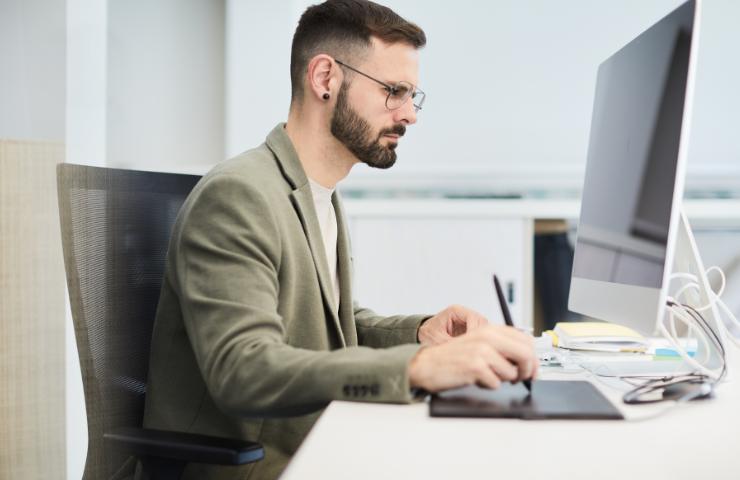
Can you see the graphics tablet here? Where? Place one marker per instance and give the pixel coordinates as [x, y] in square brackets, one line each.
[549, 400]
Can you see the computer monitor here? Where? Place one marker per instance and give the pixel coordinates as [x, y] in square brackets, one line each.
[634, 179]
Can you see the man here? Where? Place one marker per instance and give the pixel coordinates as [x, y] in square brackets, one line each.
[256, 329]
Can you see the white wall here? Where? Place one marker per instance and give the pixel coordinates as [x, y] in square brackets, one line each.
[510, 87]
[86, 107]
[258, 38]
[165, 83]
[32, 66]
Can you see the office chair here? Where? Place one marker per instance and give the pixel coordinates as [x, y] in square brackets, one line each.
[116, 226]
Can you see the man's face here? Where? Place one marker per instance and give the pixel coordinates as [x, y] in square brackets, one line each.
[373, 136]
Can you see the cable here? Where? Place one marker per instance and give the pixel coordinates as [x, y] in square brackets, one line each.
[680, 309]
[676, 311]
[714, 297]
[653, 391]
[672, 403]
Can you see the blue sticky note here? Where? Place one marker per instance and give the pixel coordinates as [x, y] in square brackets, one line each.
[669, 352]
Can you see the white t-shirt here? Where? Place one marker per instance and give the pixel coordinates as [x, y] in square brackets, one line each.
[328, 224]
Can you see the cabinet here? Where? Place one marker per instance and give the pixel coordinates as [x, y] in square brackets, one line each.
[421, 263]
[420, 255]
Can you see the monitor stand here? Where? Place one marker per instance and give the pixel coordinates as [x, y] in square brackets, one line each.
[687, 260]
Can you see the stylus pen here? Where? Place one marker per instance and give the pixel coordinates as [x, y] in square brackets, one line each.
[507, 317]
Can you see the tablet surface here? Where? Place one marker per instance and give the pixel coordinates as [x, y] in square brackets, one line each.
[571, 399]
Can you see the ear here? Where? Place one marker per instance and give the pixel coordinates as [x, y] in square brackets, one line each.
[324, 76]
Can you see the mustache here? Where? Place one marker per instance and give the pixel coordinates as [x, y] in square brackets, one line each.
[399, 130]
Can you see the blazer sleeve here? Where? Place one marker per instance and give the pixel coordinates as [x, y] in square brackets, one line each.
[377, 331]
[227, 256]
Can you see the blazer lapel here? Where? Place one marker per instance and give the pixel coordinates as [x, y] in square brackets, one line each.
[344, 261]
[302, 200]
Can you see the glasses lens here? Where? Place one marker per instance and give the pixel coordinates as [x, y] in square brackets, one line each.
[398, 95]
[418, 99]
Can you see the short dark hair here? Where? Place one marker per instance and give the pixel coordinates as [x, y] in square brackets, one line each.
[345, 27]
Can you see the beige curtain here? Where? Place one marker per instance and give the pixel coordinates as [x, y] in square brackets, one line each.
[32, 313]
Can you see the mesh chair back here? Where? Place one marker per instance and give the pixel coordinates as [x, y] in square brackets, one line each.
[116, 226]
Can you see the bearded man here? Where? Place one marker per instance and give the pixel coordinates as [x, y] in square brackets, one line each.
[256, 329]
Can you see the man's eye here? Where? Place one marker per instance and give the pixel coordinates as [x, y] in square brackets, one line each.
[399, 91]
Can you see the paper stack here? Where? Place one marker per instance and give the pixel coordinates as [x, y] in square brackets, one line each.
[598, 336]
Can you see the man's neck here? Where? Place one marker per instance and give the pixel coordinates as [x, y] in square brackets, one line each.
[323, 158]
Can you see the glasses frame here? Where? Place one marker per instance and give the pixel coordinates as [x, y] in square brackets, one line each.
[415, 91]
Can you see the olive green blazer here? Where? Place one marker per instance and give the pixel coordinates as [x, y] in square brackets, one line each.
[246, 343]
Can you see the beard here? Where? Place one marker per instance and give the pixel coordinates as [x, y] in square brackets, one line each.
[354, 132]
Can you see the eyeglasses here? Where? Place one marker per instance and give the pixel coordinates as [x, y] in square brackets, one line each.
[398, 94]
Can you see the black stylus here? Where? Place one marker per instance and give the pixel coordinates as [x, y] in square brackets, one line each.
[507, 317]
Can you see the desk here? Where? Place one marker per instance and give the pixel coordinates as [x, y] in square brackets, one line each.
[371, 441]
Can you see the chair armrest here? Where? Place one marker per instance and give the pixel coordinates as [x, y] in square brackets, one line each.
[189, 447]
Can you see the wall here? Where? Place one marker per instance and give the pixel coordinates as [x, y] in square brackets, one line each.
[32, 287]
[510, 88]
[32, 65]
[165, 83]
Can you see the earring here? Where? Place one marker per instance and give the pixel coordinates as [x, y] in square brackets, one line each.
[326, 96]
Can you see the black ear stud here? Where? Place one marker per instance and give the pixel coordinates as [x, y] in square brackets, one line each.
[326, 96]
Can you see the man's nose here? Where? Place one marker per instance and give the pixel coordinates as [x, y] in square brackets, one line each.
[406, 114]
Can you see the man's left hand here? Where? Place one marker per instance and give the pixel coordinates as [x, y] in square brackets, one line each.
[449, 323]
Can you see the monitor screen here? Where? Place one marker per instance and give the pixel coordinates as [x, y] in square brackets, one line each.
[633, 163]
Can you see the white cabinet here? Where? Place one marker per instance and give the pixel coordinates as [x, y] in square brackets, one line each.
[420, 255]
[423, 263]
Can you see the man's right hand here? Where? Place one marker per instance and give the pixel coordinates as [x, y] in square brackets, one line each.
[486, 357]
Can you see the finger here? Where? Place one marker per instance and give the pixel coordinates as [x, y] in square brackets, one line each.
[457, 327]
[517, 351]
[488, 379]
[477, 321]
[535, 361]
[467, 318]
[510, 335]
[520, 334]
[470, 324]
[439, 336]
[484, 376]
[503, 368]
[459, 320]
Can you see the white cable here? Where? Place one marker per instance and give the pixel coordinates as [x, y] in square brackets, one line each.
[693, 284]
[714, 298]
[676, 311]
[721, 276]
[682, 351]
[690, 322]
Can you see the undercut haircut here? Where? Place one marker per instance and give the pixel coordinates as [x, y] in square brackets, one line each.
[344, 29]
